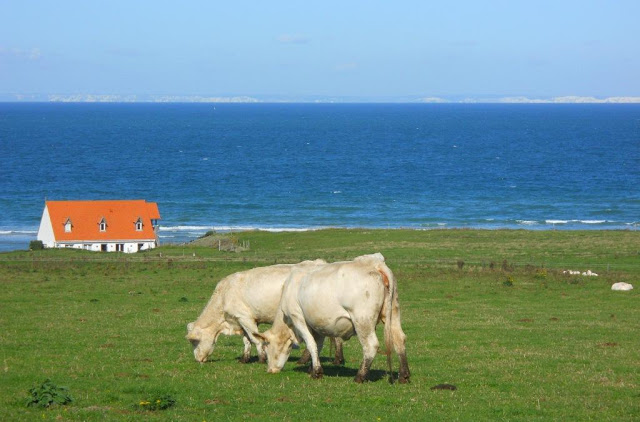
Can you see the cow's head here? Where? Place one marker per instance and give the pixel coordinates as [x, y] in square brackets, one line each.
[278, 347]
[202, 340]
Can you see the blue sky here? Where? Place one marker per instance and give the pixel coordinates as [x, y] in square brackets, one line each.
[363, 49]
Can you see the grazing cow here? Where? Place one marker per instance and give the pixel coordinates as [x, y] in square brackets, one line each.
[239, 303]
[338, 300]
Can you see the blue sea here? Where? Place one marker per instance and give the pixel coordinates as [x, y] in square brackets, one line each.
[306, 166]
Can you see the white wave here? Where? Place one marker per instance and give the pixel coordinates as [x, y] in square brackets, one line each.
[235, 228]
[527, 222]
[184, 228]
[10, 232]
[556, 221]
[592, 221]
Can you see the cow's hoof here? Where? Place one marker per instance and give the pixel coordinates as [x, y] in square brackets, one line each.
[359, 379]
[317, 374]
[244, 360]
[403, 376]
[338, 362]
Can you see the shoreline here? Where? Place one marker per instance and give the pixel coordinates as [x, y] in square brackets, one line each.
[18, 240]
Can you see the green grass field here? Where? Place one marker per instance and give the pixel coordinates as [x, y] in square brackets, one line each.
[488, 311]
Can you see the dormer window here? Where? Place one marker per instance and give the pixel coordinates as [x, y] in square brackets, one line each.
[68, 226]
[103, 225]
[139, 224]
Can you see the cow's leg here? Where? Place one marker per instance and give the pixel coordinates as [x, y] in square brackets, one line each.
[399, 347]
[316, 371]
[246, 353]
[369, 342]
[312, 346]
[339, 357]
[336, 344]
[249, 326]
[305, 358]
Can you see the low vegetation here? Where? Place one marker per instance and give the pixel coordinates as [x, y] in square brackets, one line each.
[489, 314]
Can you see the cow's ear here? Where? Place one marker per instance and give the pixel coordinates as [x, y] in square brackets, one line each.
[193, 334]
[264, 338]
[190, 327]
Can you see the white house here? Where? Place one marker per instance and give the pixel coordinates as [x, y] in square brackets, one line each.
[109, 226]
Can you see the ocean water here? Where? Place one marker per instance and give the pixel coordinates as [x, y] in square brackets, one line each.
[305, 166]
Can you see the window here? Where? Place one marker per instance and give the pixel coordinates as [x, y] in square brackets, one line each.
[68, 226]
[103, 225]
[119, 247]
[139, 224]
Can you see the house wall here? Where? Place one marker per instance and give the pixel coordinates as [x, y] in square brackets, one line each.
[45, 231]
[128, 247]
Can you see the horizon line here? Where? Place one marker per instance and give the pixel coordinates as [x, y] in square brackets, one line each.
[134, 98]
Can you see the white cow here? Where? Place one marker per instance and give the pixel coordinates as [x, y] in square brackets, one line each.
[239, 303]
[338, 300]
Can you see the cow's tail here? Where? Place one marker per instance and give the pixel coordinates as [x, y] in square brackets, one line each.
[390, 293]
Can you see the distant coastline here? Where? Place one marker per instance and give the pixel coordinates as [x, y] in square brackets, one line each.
[244, 99]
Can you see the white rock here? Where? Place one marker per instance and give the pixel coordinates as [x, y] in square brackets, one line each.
[587, 273]
[622, 286]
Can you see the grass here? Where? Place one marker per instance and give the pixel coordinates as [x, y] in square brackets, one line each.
[546, 346]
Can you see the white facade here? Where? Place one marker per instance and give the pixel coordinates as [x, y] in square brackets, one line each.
[102, 246]
[45, 232]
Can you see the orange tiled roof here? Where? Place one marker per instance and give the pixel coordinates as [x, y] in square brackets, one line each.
[85, 217]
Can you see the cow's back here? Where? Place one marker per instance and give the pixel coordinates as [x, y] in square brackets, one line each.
[260, 290]
[334, 294]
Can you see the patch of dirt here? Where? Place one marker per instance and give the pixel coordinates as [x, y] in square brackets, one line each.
[449, 387]
[215, 401]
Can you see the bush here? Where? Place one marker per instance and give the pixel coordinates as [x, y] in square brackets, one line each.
[207, 234]
[48, 394]
[36, 245]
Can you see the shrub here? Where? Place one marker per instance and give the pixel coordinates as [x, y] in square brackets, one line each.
[48, 394]
[36, 245]
[207, 234]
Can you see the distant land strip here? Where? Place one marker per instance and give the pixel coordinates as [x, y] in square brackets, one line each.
[112, 98]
